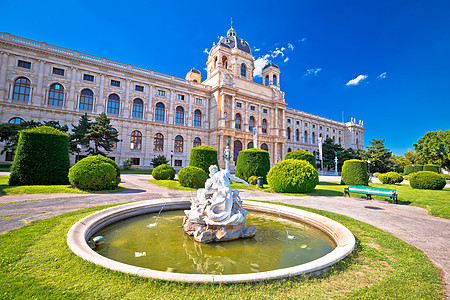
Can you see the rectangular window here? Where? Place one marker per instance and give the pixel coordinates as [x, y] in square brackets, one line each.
[298, 122]
[115, 83]
[198, 100]
[135, 161]
[180, 97]
[320, 127]
[289, 120]
[24, 64]
[178, 163]
[339, 132]
[161, 93]
[238, 104]
[252, 108]
[314, 126]
[139, 88]
[57, 71]
[264, 110]
[306, 124]
[9, 156]
[334, 130]
[87, 77]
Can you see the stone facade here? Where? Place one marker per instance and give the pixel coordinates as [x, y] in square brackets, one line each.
[42, 82]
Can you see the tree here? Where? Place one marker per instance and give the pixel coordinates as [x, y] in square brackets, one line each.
[410, 157]
[102, 134]
[433, 148]
[159, 160]
[328, 154]
[79, 133]
[380, 157]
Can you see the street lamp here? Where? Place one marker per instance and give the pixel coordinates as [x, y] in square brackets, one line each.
[413, 168]
[368, 161]
[171, 158]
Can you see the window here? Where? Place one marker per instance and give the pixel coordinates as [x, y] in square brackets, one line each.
[135, 161]
[288, 131]
[339, 140]
[136, 140]
[113, 104]
[264, 110]
[24, 64]
[320, 127]
[159, 112]
[16, 121]
[161, 93]
[178, 163]
[238, 104]
[198, 100]
[179, 115]
[238, 121]
[328, 129]
[250, 145]
[339, 132]
[252, 108]
[305, 138]
[86, 100]
[274, 80]
[180, 97]
[251, 124]
[56, 95]
[297, 135]
[158, 142]
[197, 118]
[313, 138]
[57, 71]
[289, 150]
[197, 142]
[139, 88]
[88, 77]
[298, 122]
[237, 149]
[314, 126]
[115, 83]
[289, 120]
[21, 90]
[264, 126]
[9, 156]
[225, 62]
[178, 146]
[334, 130]
[306, 124]
[264, 147]
[138, 108]
[243, 70]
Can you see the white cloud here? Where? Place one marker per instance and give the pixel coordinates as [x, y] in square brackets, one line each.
[276, 53]
[357, 80]
[382, 75]
[206, 51]
[313, 72]
[257, 49]
[286, 59]
[282, 48]
[260, 63]
[290, 46]
[303, 40]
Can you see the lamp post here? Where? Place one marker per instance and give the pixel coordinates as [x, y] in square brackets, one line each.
[370, 177]
[171, 158]
[335, 163]
[413, 168]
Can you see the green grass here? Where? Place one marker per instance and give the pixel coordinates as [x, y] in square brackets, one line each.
[6, 189]
[35, 262]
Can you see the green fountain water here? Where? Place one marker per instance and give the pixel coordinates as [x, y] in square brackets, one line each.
[159, 243]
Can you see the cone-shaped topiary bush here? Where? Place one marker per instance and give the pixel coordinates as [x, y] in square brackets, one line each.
[293, 176]
[431, 168]
[390, 178]
[252, 162]
[354, 172]
[42, 157]
[302, 154]
[427, 180]
[202, 157]
[192, 177]
[95, 173]
[163, 172]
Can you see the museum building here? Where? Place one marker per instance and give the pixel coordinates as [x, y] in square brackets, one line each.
[158, 114]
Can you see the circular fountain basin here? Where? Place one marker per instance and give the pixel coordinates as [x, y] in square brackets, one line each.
[334, 234]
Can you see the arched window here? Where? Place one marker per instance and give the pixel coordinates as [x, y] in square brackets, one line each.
[244, 70]
[237, 149]
[334, 139]
[159, 112]
[158, 144]
[313, 138]
[289, 150]
[178, 146]
[179, 115]
[138, 108]
[305, 137]
[215, 62]
[197, 118]
[274, 80]
[56, 95]
[16, 121]
[197, 142]
[113, 104]
[357, 143]
[251, 124]
[264, 147]
[264, 126]
[266, 80]
[136, 140]
[225, 62]
[288, 132]
[238, 120]
[320, 135]
[250, 145]
[327, 137]
[86, 100]
[297, 135]
[339, 140]
[21, 91]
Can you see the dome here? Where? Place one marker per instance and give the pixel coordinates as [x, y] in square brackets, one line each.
[193, 70]
[232, 41]
[271, 65]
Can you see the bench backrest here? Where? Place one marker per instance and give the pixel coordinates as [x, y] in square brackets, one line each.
[357, 188]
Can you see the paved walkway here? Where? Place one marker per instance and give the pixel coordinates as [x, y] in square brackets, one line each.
[411, 224]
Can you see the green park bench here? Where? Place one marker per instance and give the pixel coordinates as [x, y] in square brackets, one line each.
[369, 191]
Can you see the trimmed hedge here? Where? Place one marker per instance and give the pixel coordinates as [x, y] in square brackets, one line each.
[431, 168]
[409, 169]
[163, 172]
[390, 178]
[95, 173]
[302, 154]
[427, 180]
[42, 157]
[192, 177]
[293, 176]
[252, 162]
[253, 180]
[354, 172]
[202, 157]
[376, 174]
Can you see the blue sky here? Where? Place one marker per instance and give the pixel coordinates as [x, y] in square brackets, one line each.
[396, 53]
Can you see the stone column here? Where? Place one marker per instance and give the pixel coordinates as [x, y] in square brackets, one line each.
[4, 67]
[233, 112]
[149, 116]
[189, 115]
[39, 97]
[101, 100]
[170, 110]
[125, 111]
[71, 99]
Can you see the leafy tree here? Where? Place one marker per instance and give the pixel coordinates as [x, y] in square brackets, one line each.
[328, 154]
[433, 148]
[410, 157]
[103, 135]
[79, 133]
[380, 157]
[159, 160]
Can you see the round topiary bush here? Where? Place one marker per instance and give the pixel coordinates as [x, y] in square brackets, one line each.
[409, 169]
[427, 180]
[202, 157]
[253, 180]
[95, 173]
[42, 157]
[192, 177]
[302, 154]
[376, 174]
[293, 176]
[163, 172]
[252, 162]
[431, 168]
[390, 178]
[354, 172]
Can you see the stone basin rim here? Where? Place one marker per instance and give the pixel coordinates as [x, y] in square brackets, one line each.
[82, 230]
